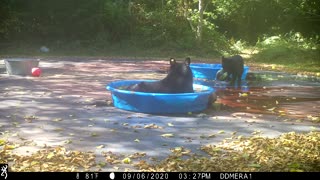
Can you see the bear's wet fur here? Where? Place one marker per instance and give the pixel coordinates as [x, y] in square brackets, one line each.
[178, 80]
[234, 66]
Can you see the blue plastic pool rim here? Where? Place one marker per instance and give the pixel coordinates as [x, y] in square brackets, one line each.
[205, 65]
[209, 70]
[108, 87]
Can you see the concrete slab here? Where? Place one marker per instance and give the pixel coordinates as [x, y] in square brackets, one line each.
[68, 106]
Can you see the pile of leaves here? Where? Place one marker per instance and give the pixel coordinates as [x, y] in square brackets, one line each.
[290, 152]
[50, 159]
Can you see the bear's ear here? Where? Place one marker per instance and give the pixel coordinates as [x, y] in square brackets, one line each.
[172, 61]
[187, 61]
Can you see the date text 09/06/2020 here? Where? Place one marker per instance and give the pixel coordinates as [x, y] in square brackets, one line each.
[183, 175]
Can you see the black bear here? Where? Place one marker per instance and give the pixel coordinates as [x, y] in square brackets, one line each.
[178, 80]
[234, 67]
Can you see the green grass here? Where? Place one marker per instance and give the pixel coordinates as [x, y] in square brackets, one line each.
[290, 52]
[289, 59]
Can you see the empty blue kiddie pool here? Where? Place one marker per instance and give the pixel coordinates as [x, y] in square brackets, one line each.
[158, 103]
[209, 71]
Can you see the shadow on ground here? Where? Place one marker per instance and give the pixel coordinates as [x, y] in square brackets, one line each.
[69, 106]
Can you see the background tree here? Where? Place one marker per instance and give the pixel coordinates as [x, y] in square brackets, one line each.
[182, 25]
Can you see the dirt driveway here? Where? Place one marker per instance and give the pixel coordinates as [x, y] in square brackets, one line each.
[70, 106]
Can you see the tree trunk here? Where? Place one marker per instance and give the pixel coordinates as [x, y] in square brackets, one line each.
[200, 22]
[129, 7]
[185, 7]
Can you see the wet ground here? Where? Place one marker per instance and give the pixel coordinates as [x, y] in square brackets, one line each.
[70, 106]
[267, 92]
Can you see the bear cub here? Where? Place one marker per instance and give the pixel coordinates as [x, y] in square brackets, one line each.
[234, 67]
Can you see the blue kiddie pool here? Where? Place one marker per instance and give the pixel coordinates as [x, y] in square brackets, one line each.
[209, 71]
[158, 103]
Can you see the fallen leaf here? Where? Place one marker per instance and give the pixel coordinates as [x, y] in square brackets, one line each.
[152, 126]
[254, 165]
[50, 155]
[202, 136]
[100, 147]
[58, 129]
[2, 142]
[57, 119]
[170, 124]
[243, 94]
[94, 134]
[167, 135]
[137, 155]
[102, 164]
[126, 160]
[34, 163]
[271, 109]
[256, 132]
[315, 119]
[68, 141]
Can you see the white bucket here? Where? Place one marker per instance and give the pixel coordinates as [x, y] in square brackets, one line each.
[20, 66]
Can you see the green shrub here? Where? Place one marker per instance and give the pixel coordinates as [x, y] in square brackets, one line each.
[291, 50]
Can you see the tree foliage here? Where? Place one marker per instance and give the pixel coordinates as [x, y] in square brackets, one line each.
[179, 24]
[251, 19]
